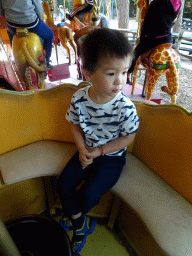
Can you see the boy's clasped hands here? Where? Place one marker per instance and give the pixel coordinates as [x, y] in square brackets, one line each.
[86, 156]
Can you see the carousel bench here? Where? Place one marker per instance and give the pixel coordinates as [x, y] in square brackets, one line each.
[156, 181]
[35, 138]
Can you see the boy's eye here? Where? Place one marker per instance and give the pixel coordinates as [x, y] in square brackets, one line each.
[125, 72]
[111, 74]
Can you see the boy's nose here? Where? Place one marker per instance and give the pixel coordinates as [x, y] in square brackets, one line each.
[118, 80]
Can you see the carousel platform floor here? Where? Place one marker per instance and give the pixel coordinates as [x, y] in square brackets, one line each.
[104, 242]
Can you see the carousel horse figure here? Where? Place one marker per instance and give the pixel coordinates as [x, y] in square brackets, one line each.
[78, 38]
[28, 52]
[28, 36]
[155, 51]
[25, 57]
[90, 20]
[84, 14]
[61, 34]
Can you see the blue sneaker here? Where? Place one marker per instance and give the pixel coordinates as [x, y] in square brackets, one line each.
[87, 229]
[66, 224]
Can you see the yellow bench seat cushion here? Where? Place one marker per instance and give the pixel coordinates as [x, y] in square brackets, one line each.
[167, 215]
[42, 158]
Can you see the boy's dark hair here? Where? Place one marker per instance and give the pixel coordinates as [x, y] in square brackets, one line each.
[101, 42]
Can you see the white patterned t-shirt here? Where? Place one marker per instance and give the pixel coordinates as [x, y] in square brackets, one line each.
[102, 123]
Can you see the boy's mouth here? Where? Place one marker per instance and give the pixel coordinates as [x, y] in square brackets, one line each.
[116, 91]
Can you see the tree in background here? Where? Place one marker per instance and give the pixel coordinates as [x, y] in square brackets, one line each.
[187, 12]
[177, 25]
[127, 9]
[123, 19]
[132, 8]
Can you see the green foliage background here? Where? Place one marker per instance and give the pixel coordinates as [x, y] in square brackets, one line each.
[187, 13]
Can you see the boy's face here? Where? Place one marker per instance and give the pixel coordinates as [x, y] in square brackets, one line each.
[109, 78]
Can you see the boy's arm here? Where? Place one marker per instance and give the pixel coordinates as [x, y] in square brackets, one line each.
[113, 145]
[118, 143]
[80, 143]
[78, 137]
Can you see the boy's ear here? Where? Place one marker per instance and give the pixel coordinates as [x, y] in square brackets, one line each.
[87, 75]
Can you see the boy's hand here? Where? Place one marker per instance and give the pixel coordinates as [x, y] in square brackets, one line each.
[94, 152]
[84, 158]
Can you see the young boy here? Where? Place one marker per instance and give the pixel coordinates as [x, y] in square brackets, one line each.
[104, 122]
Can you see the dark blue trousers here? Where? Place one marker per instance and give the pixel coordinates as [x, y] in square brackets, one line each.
[99, 177]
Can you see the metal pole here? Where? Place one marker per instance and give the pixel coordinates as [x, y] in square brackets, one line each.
[95, 11]
[144, 86]
[51, 5]
[64, 10]
[16, 76]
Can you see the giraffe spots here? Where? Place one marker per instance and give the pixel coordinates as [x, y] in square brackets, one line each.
[163, 59]
[157, 57]
[169, 58]
[152, 80]
[164, 88]
[175, 90]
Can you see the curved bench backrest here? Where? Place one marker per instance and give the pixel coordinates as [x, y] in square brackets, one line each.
[27, 117]
[53, 105]
[164, 144]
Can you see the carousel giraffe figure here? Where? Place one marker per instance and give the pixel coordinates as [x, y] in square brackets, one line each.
[61, 33]
[161, 59]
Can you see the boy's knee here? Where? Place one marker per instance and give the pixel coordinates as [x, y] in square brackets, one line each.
[90, 199]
